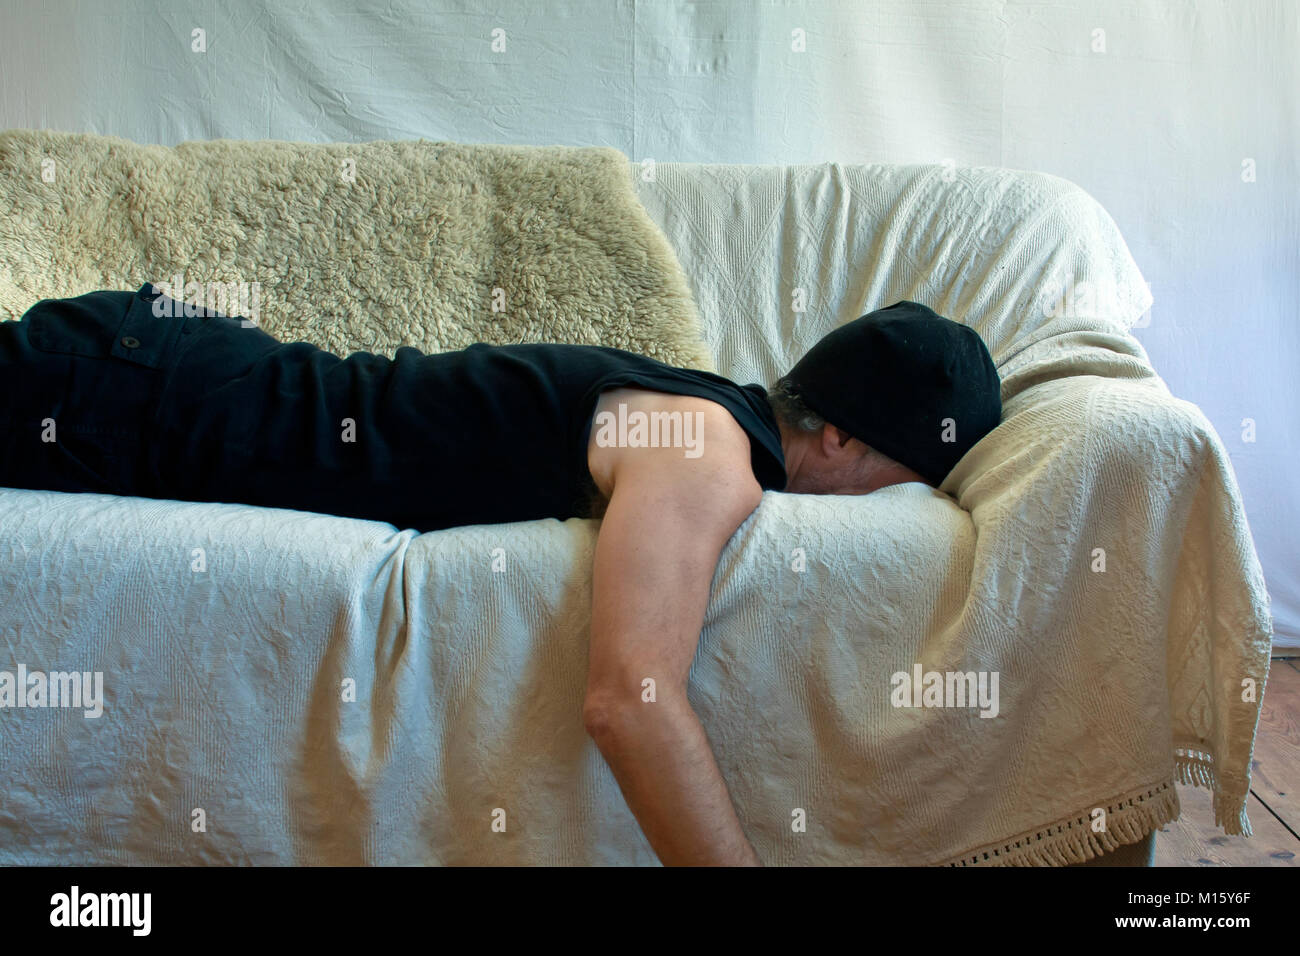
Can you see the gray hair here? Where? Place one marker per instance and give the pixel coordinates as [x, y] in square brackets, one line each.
[789, 408]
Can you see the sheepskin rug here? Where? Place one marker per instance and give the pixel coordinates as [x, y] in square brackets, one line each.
[352, 246]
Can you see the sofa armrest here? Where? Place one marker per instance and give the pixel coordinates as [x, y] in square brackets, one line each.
[1122, 501]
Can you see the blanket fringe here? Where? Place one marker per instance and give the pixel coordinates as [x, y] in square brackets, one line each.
[1129, 818]
[1195, 768]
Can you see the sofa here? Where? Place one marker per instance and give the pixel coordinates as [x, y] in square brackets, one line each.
[283, 687]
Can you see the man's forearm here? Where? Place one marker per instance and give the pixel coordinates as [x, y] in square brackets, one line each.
[663, 763]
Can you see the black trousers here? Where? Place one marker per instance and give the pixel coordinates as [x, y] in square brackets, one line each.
[85, 383]
[121, 393]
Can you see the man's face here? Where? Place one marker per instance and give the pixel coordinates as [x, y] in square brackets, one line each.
[833, 463]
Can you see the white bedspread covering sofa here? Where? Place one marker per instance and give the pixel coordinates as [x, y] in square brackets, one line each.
[1092, 552]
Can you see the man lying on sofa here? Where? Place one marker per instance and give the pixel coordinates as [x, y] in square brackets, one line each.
[106, 392]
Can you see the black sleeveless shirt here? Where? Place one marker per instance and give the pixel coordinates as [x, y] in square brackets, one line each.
[483, 435]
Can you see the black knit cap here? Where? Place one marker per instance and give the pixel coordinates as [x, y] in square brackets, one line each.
[891, 377]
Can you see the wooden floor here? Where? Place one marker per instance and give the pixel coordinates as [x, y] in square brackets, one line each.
[1274, 806]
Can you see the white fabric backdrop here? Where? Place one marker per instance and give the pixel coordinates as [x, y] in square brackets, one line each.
[1180, 116]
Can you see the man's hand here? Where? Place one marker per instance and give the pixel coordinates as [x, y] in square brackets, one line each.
[668, 518]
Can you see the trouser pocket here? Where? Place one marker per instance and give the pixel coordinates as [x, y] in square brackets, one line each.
[135, 327]
[79, 384]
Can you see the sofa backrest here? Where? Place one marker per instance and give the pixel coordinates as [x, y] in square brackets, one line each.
[780, 255]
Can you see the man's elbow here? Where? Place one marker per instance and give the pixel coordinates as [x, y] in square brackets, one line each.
[595, 718]
[603, 717]
[608, 718]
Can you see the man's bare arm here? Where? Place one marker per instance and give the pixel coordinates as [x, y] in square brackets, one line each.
[666, 524]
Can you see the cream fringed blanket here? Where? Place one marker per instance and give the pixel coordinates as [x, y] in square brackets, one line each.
[352, 246]
[1092, 552]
